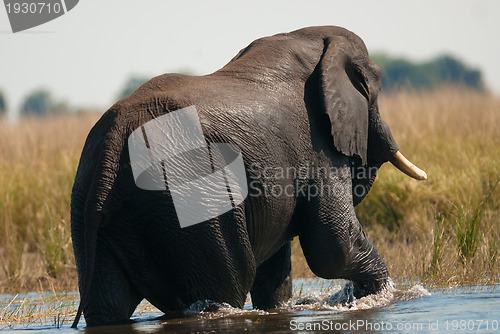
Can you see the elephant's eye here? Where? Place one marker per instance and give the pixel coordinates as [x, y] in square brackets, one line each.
[357, 79]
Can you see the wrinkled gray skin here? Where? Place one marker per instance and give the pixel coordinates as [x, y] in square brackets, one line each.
[302, 99]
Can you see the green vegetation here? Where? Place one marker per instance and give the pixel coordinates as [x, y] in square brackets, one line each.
[3, 104]
[443, 70]
[135, 81]
[41, 103]
[131, 85]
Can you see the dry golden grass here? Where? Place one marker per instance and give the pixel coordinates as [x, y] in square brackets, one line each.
[38, 160]
[48, 309]
[445, 229]
[43, 309]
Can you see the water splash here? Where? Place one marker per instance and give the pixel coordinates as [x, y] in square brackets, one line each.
[416, 291]
[208, 309]
[314, 295]
[343, 299]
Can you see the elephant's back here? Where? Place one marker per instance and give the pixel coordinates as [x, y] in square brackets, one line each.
[270, 130]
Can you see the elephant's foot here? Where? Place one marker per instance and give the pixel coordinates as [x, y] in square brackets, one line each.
[352, 291]
[204, 306]
[344, 297]
[362, 289]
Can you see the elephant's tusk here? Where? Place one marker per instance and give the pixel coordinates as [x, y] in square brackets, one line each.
[404, 165]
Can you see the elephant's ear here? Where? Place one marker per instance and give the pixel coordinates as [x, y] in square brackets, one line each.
[346, 94]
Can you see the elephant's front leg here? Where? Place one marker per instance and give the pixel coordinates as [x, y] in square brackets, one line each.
[334, 243]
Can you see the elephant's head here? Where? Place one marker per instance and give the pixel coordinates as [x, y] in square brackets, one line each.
[349, 84]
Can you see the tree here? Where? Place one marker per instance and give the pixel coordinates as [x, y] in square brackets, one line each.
[452, 70]
[137, 81]
[442, 70]
[401, 72]
[38, 103]
[3, 104]
[131, 85]
[41, 103]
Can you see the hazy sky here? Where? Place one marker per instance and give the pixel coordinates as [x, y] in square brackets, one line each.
[86, 56]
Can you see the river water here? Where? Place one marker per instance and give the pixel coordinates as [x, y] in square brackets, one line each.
[317, 306]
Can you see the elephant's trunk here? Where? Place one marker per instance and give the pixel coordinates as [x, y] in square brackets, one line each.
[404, 165]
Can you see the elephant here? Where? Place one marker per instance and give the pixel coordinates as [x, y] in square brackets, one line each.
[301, 110]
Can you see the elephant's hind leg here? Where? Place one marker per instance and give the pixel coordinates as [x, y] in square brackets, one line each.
[273, 280]
[112, 298]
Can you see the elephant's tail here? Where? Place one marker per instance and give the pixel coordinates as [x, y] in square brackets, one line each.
[91, 229]
[99, 200]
